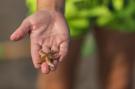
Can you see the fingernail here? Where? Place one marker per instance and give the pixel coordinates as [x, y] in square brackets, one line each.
[14, 37]
[52, 68]
[44, 71]
[37, 66]
[55, 63]
[60, 60]
[44, 68]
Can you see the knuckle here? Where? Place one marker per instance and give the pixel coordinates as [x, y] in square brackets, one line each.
[35, 26]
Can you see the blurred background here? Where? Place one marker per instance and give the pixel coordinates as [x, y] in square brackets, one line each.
[107, 28]
[16, 69]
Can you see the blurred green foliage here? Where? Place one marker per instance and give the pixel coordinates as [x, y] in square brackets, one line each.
[83, 14]
[116, 14]
[88, 47]
[31, 5]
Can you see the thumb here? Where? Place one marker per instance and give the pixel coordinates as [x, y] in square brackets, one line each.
[21, 31]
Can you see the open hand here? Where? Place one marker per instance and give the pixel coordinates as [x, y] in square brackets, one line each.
[48, 32]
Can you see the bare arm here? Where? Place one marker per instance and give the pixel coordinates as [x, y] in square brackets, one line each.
[53, 5]
[48, 32]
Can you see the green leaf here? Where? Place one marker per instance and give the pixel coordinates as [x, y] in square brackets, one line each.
[99, 11]
[79, 23]
[118, 4]
[31, 4]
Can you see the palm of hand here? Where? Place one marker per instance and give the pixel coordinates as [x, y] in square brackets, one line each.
[47, 33]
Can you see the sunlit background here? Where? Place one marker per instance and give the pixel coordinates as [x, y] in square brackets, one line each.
[115, 26]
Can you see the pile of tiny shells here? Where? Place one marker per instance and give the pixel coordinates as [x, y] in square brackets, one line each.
[47, 57]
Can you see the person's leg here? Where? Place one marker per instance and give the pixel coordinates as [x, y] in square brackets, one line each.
[116, 54]
[62, 78]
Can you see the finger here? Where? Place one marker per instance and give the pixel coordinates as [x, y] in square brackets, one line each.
[56, 56]
[21, 31]
[55, 62]
[35, 48]
[45, 68]
[55, 48]
[55, 51]
[63, 50]
[46, 49]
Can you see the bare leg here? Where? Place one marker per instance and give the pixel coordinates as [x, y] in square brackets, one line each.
[116, 52]
[62, 78]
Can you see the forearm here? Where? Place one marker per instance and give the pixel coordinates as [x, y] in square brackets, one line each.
[52, 5]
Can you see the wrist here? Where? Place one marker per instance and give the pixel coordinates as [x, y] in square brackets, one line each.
[51, 13]
[46, 4]
[51, 5]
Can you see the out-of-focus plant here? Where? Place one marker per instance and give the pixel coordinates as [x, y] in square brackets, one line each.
[74, 12]
[31, 5]
[116, 14]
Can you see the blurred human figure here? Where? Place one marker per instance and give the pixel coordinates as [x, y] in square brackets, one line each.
[48, 32]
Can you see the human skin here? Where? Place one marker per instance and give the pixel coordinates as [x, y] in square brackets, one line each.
[64, 76]
[48, 32]
[40, 30]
